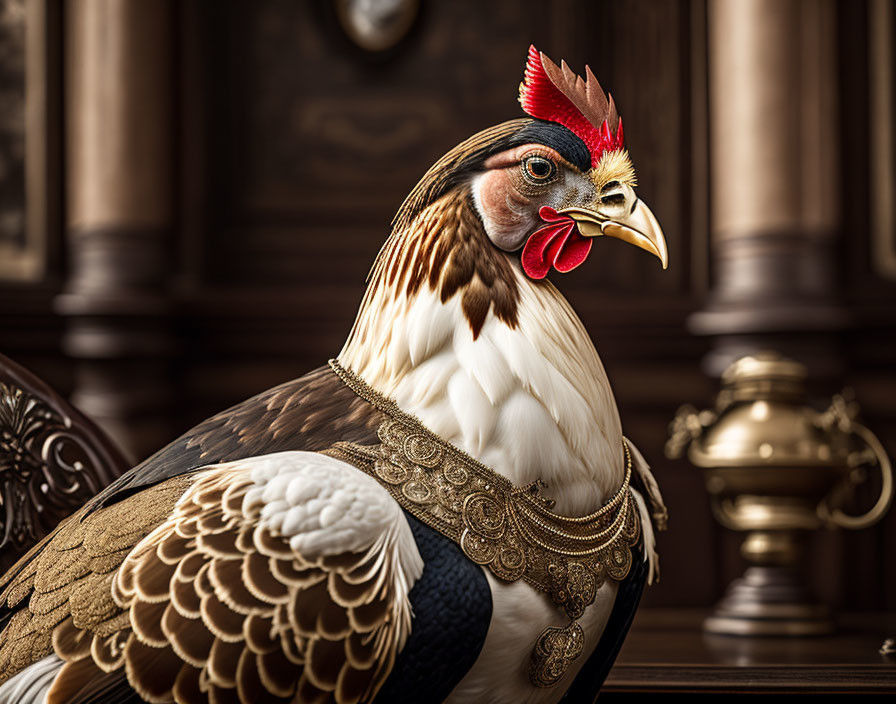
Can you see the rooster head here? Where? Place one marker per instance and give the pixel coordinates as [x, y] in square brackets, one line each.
[536, 191]
[573, 181]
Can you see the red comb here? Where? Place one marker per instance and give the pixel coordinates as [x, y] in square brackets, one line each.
[556, 93]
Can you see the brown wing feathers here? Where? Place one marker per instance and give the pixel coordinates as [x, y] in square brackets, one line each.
[70, 579]
[309, 413]
[209, 607]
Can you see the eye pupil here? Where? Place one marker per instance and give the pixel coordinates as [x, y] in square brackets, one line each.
[539, 168]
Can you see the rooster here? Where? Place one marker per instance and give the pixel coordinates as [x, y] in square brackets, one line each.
[446, 512]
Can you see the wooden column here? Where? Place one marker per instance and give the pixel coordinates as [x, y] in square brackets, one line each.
[774, 182]
[119, 214]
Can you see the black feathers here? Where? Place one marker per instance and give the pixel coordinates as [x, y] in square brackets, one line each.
[555, 136]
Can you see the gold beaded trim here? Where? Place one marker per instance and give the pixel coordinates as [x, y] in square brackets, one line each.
[511, 530]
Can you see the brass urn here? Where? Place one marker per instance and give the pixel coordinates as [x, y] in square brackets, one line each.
[776, 469]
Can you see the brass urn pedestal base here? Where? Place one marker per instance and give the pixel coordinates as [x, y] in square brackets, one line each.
[769, 601]
[771, 598]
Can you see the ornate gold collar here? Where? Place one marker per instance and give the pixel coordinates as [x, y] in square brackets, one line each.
[509, 529]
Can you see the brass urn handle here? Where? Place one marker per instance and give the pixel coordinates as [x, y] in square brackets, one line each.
[842, 414]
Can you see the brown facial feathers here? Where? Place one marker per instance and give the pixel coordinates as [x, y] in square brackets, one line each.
[446, 248]
[450, 171]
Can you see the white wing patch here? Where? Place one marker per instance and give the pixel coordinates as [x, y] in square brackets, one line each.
[324, 506]
[32, 684]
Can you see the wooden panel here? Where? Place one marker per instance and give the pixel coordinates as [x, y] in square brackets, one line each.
[313, 149]
[30, 98]
[316, 147]
[20, 255]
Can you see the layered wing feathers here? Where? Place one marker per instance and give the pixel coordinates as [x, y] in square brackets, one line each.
[276, 578]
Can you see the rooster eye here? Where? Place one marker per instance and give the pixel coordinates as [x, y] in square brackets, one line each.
[537, 169]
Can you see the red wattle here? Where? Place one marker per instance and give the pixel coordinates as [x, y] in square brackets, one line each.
[574, 252]
[557, 244]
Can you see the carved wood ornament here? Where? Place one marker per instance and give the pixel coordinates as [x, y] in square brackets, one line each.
[52, 459]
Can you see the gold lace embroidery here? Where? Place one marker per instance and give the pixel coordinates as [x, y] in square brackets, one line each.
[511, 530]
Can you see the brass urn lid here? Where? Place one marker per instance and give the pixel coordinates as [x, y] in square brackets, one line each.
[763, 420]
[766, 375]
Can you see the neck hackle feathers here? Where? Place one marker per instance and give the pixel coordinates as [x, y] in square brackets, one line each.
[556, 93]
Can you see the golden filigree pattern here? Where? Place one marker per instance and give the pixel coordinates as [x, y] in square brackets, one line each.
[555, 649]
[511, 530]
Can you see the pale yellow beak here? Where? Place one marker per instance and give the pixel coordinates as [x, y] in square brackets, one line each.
[621, 214]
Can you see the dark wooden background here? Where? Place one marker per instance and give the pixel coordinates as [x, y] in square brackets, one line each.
[292, 150]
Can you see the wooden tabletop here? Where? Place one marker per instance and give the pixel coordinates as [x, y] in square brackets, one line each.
[667, 652]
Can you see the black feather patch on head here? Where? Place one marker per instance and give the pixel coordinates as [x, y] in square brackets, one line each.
[555, 136]
[469, 156]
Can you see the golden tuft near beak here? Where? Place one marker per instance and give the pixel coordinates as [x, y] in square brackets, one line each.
[621, 214]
